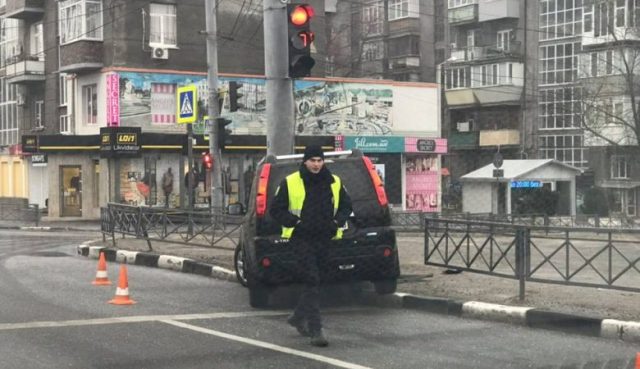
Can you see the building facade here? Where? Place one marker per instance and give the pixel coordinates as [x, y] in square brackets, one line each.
[484, 85]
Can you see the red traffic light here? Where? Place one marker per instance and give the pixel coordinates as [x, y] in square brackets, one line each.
[207, 160]
[300, 15]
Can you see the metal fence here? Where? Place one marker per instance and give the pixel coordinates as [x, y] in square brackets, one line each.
[579, 256]
[213, 229]
[18, 213]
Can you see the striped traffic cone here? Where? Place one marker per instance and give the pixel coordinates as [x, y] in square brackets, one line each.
[122, 292]
[101, 275]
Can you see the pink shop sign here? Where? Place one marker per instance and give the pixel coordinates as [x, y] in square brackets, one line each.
[425, 145]
[113, 100]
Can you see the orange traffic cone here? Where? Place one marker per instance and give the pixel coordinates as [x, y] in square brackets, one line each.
[638, 360]
[101, 275]
[122, 292]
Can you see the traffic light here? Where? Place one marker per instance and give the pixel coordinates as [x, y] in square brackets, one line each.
[300, 39]
[234, 96]
[207, 160]
[223, 132]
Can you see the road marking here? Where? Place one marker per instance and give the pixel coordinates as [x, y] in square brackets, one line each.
[152, 318]
[135, 319]
[266, 345]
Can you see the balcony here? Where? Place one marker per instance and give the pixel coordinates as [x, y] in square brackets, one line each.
[24, 9]
[622, 35]
[24, 70]
[500, 137]
[463, 14]
[498, 9]
[81, 56]
[463, 140]
[466, 54]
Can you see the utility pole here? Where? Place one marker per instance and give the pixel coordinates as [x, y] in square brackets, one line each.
[217, 200]
[280, 110]
[385, 40]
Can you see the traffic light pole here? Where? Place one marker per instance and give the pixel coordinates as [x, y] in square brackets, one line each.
[217, 199]
[280, 118]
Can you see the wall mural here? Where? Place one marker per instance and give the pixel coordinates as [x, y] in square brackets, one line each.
[322, 107]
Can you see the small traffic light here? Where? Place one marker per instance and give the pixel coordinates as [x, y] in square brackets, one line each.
[223, 132]
[300, 39]
[207, 160]
[234, 96]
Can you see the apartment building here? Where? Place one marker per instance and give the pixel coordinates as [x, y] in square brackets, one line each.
[484, 80]
[609, 66]
[383, 39]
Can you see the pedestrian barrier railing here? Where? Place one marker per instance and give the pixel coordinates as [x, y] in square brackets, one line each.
[204, 228]
[579, 256]
[20, 214]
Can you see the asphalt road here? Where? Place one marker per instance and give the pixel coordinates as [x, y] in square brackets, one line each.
[52, 317]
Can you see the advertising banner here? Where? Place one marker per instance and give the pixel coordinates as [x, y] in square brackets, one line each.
[422, 182]
[113, 100]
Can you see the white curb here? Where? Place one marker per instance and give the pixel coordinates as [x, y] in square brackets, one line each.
[171, 262]
[94, 251]
[495, 312]
[124, 256]
[620, 329]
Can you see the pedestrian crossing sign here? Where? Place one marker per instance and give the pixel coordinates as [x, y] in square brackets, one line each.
[187, 103]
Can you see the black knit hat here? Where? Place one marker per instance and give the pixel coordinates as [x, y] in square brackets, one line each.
[312, 151]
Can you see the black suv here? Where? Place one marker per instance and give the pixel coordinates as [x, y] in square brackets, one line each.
[367, 251]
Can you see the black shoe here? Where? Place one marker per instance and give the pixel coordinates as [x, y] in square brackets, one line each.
[317, 339]
[300, 324]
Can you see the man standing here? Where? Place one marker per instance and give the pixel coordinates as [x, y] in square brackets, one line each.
[312, 206]
[167, 186]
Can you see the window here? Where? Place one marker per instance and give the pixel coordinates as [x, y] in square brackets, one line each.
[457, 3]
[3, 2]
[565, 148]
[80, 20]
[163, 31]
[458, 78]
[372, 18]
[372, 51]
[620, 12]
[90, 108]
[588, 18]
[9, 40]
[64, 124]
[560, 19]
[37, 41]
[399, 9]
[37, 113]
[594, 64]
[609, 62]
[63, 98]
[8, 114]
[631, 202]
[504, 38]
[619, 167]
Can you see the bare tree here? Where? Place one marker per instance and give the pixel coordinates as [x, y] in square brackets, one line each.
[610, 90]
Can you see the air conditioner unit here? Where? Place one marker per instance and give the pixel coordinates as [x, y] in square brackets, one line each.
[464, 126]
[160, 53]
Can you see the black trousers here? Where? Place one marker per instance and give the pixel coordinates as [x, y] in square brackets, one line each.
[310, 254]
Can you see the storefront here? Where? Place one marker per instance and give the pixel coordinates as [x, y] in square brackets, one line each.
[125, 165]
[408, 166]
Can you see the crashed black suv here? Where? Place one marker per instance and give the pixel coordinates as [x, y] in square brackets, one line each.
[367, 251]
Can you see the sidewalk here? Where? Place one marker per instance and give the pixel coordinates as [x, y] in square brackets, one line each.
[68, 224]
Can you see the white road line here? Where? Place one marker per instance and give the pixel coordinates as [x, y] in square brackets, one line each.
[266, 345]
[135, 319]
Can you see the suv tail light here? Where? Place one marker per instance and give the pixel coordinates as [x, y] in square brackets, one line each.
[261, 194]
[377, 182]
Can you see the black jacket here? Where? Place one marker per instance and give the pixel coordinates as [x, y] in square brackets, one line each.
[316, 220]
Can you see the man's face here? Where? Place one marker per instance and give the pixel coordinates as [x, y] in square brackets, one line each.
[314, 165]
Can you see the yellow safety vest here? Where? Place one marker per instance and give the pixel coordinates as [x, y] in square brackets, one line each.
[295, 187]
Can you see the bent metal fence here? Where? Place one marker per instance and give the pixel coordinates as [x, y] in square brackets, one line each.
[579, 256]
[196, 228]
